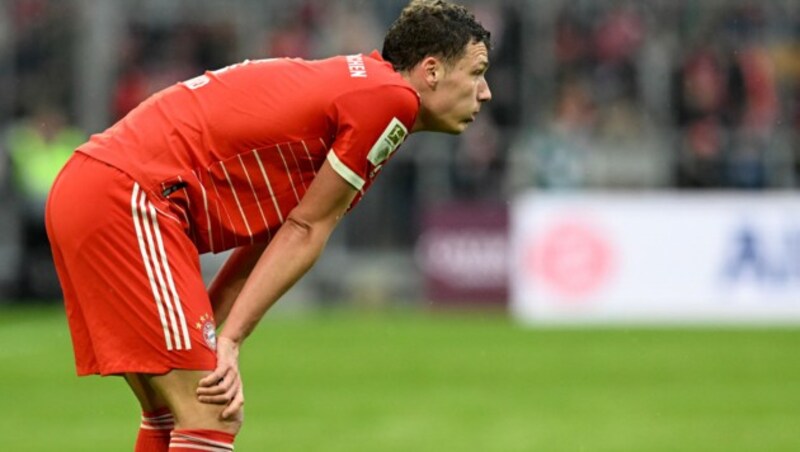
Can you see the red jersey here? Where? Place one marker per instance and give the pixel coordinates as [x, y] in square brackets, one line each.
[234, 150]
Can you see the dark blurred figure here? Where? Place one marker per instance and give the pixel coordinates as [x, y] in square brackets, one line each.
[701, 89]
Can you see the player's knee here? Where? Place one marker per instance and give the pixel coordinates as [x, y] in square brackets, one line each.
[234, 425]
[208, 417]
[231, 424]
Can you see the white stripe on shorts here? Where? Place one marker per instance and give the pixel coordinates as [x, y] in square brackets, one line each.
[151, 245]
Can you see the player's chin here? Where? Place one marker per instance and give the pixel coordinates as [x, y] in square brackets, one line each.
[460, 127]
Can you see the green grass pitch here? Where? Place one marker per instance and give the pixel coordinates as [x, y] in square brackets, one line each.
[415, 381]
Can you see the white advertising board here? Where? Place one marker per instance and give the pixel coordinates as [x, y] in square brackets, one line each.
[656, 258]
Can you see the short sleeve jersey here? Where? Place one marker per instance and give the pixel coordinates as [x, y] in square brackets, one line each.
[233, 151]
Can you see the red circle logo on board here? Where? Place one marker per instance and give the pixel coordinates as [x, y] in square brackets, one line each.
[573, 259]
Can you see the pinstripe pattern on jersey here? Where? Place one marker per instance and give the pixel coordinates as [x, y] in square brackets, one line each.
[255, 196]
[297, 165]
[247, 197]
[269, 186]
[288, 174]
[308, 156]
[236, 199]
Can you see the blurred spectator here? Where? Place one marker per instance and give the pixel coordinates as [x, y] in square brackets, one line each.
[617, 38]
[700, 101]
[38, 146]
[555, 155]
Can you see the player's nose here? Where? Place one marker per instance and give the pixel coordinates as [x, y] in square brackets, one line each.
[484, 93]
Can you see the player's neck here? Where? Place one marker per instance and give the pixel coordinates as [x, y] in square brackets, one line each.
[420, 87]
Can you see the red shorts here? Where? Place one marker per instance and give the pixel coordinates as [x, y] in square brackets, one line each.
[133, 290]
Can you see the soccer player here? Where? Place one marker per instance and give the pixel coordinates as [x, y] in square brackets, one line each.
[263, 157]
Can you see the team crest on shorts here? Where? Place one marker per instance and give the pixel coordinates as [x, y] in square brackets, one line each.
[209, 330]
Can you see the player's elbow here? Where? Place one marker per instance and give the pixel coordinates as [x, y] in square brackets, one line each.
[311, 226]
[299, 225]
[308, 238]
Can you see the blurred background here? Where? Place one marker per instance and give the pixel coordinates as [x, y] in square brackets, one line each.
[617, 96]
[636, 175]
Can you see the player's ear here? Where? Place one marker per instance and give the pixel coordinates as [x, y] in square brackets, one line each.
[432, 70]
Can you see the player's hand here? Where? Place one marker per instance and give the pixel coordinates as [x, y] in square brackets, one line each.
[224, 385]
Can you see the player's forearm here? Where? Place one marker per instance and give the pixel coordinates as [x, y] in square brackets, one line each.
[290, 254]
[230, 279]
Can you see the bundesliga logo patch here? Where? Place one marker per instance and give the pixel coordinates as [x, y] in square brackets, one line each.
[206, 325]
[391, 139]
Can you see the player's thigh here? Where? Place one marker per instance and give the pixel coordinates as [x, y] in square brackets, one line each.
[179, 389]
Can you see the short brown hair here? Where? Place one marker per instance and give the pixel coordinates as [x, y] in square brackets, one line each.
[431, 28]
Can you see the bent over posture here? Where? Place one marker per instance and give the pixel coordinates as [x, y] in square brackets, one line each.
[263, 157]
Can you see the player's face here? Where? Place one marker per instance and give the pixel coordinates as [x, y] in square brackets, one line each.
[458, 95]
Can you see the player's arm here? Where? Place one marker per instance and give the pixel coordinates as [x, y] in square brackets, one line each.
[231, 277]
[292, 251]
